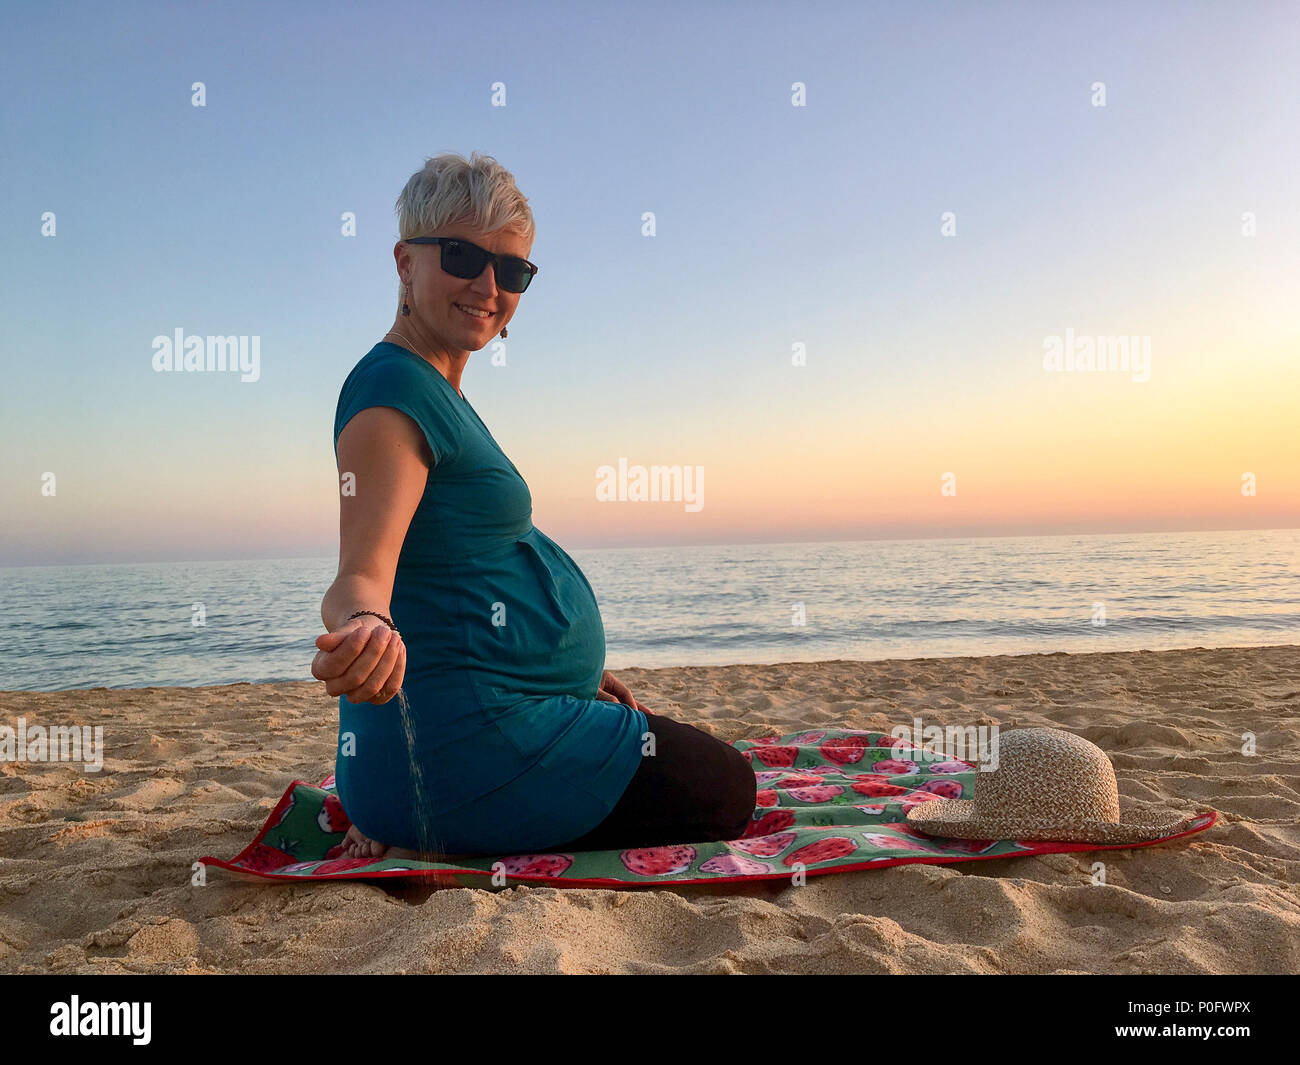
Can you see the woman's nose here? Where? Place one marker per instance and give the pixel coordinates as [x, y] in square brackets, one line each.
[488, 277]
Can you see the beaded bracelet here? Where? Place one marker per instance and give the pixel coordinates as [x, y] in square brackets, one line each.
[382, 617]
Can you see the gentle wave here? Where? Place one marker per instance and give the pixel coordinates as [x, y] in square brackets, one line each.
[134, 625]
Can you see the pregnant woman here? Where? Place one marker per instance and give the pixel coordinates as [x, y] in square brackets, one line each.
[515, 738]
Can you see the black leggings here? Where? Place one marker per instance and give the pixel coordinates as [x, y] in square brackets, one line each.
[694, 789]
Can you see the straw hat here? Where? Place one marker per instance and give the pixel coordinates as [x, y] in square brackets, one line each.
[1048, 785]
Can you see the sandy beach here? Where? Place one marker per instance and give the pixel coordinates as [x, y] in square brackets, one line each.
[95, 868]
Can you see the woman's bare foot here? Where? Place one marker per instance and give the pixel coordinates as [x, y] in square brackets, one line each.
[358, 845]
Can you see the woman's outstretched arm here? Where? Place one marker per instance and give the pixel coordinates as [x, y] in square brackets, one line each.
[389, 460]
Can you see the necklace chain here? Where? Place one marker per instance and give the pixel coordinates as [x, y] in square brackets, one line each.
[399, 336]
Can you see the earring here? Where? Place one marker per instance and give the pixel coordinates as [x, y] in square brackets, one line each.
[503, 334]
[406, 311]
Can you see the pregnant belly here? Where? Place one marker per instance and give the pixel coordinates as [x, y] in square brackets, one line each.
[537, 627]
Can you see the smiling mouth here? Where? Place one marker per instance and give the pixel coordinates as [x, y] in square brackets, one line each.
[477, 313]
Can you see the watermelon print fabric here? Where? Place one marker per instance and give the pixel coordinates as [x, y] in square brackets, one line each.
[829, 801]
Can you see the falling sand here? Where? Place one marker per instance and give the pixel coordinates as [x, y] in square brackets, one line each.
[429, 842]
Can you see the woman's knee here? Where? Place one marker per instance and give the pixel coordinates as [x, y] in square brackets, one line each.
[740, 793]
[713, 784]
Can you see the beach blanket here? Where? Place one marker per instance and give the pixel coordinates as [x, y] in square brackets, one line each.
[829, 801]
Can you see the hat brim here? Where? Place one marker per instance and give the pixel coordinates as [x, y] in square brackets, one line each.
[1138, 823]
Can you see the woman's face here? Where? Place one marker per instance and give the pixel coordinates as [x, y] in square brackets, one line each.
[434, 295]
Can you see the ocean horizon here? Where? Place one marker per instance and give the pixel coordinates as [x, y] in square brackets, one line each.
[189, 624]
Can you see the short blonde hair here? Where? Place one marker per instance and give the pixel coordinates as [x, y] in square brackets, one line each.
[450, 189]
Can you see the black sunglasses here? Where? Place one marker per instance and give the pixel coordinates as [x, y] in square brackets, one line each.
[462, 259]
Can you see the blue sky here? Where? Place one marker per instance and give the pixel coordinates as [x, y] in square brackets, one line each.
[774, 223]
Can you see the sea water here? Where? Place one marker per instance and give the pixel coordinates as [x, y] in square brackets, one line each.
[173, 623]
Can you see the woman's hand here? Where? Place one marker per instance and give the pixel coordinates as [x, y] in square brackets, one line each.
[363, 659]
[613, 690]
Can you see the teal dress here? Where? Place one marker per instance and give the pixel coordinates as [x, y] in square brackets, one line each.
[509, 749]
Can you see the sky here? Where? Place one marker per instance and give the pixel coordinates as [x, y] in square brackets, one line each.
[947, 192]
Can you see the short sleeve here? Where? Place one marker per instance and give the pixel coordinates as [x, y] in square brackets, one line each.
[400, 383]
